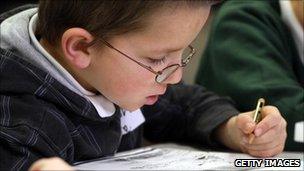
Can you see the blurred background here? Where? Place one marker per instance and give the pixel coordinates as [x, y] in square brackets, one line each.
[199, 44]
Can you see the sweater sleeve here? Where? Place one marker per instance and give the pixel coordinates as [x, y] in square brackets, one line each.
[19, 147]
[23, 138]
[251, 54]
[187, 113]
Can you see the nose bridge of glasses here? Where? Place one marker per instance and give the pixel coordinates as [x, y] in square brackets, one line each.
[170, 70]
[171, 75]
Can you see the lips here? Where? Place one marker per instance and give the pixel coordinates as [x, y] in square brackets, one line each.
[150, 100]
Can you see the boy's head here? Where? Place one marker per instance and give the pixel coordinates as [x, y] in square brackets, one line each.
[131, 40]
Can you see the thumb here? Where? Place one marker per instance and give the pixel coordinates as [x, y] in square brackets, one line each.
[245, 122]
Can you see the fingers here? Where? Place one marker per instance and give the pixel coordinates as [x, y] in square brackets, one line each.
[264, 142]
[268, 144]
[272, 134]
[267, 152]
[269, 134]
[53, 163]
[245, 123]
[271, 118]
[37, 165]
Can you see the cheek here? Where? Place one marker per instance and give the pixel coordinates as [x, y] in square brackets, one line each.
[124, 83]
[130, 91]
[132, 83]
[121, 80]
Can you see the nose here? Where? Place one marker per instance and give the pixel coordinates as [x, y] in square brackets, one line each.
[175, 77]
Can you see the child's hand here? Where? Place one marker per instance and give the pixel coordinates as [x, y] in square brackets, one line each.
[54, 163]
[270, 133]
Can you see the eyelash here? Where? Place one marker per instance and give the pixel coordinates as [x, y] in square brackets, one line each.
[157, 61]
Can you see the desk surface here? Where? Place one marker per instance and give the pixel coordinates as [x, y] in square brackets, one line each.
[181, 157]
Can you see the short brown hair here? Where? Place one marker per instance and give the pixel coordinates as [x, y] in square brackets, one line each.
[102, 18]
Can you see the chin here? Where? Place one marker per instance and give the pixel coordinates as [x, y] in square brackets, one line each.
[131, 108]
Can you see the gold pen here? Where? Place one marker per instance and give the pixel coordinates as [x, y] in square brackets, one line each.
[257, 117]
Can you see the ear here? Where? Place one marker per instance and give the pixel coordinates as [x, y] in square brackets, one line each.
[74, 44]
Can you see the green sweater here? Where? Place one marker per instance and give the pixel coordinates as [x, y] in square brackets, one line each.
[250, 54]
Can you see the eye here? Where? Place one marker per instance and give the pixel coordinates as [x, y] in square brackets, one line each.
[158, 61]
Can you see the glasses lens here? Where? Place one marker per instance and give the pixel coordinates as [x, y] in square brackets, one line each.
[186, 56]
[166, 73]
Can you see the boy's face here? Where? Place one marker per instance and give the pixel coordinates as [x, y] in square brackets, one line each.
[161, 44]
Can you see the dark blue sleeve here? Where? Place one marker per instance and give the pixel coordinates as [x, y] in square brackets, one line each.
[187, 113]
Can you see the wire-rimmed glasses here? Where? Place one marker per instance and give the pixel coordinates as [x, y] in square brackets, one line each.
[165, 73]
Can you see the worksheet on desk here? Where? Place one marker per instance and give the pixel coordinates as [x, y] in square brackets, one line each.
[164, 159]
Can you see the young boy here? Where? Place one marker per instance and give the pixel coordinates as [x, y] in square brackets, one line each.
[75, 75]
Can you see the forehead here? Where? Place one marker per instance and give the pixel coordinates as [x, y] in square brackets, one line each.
[169, 28]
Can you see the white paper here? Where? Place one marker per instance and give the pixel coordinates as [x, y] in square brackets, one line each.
[159, 159]
[156, 158]
[174, 157]
[299, 132]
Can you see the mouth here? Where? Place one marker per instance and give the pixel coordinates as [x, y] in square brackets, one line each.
[150, 100]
